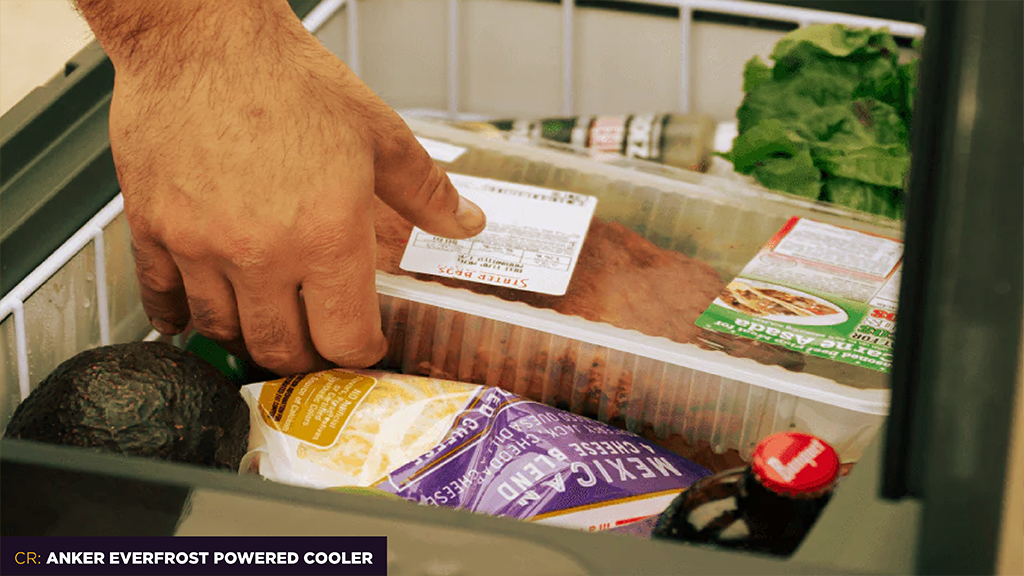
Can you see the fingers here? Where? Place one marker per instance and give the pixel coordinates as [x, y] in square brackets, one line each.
[411, 183]
[260, 313]
[341, 300]
[273, 324]
[161, 287]
[211, 302]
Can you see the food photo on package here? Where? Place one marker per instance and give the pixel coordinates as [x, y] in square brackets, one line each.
[446, 443]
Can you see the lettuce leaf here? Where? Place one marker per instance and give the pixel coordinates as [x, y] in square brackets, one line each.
[830, 120]
[755, 73]
[778, 158]
[835, 40]
[861, 196]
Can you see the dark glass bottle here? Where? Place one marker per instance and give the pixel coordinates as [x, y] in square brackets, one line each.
[768, 506]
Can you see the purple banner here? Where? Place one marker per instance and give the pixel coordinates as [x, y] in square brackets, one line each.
[193, 556]
[512, 457]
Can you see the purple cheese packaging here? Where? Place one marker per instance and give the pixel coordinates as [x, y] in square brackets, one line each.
[445, 443]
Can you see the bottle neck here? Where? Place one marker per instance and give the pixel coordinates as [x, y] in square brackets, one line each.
[786, 518]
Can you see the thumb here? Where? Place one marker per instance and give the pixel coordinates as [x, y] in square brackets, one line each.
[417, 188]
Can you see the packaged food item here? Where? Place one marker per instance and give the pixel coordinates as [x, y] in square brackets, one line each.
[767, 506]
[680, 140]
[458, 445]
[822, 290]
[620, 279]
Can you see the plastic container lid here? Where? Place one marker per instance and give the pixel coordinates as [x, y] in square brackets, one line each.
[795, 463]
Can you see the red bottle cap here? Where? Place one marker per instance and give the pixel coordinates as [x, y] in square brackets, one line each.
[795, 463]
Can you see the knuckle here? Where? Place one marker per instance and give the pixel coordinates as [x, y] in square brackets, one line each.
[209, 323]
[365, 357]
[282, 361]
[165, 319]
[327, 237]
[216, 319]
[217, 333]
[185, 243]
[159, 284]
[268, 331]
[273, 346]
[355, 348]
[435, 192]
[204, 313]
[249, 251]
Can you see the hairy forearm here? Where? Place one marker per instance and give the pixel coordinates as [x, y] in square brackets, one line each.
[165, 36]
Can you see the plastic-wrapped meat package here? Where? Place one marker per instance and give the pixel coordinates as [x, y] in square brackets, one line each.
[621, 279]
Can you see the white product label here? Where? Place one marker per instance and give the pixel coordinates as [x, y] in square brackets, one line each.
[842, 248]
[638, 139]
[888, 296]
[532, 240]
[441, 151]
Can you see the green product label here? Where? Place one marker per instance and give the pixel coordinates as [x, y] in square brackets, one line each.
[818, 289]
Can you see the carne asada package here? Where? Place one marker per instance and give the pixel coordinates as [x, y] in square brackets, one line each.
[457, 445]
[818, 289]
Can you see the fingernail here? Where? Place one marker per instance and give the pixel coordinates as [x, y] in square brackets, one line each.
[470, 216]
[165, 328]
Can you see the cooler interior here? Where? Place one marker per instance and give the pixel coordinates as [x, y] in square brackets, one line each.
[693, 398]
[86, 295]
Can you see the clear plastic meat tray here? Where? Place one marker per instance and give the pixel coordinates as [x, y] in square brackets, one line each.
[702, 397]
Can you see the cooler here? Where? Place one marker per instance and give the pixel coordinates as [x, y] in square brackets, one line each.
[927, 493]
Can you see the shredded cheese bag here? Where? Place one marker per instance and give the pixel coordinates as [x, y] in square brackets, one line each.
[458, 445]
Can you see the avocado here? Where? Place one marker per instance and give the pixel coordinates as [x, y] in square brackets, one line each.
[143, 399]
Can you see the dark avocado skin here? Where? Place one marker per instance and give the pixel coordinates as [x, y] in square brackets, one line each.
[142, 399]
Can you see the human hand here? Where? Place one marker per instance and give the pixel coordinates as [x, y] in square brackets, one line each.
[248, 157]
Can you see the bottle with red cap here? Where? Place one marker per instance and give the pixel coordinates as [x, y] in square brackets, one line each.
[768, 506]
